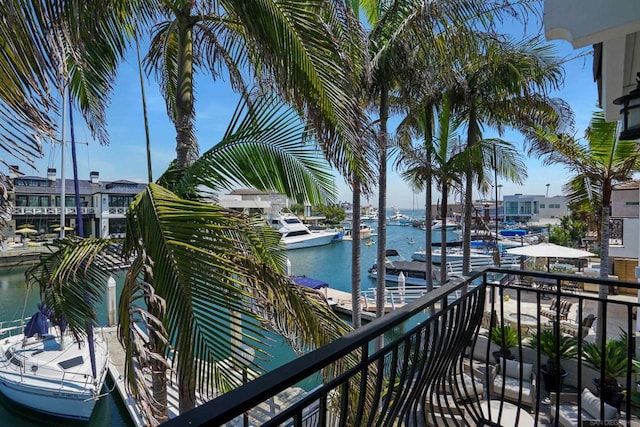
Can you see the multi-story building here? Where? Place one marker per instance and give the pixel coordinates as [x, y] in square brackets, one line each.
[533, 208]
[36, 201]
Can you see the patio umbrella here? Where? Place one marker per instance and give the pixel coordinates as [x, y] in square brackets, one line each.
[26, 230]
[66, 228]
[549, 250]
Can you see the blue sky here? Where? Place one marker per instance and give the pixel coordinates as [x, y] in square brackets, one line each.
[125, 157]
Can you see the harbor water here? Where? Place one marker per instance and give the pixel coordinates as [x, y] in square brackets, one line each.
[331, 264]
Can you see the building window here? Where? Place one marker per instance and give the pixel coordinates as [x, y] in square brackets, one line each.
[636, 203]
[542, 205]
[70, 201]
[120, 201]
[117, 226]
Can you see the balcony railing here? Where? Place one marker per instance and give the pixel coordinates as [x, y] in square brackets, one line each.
[50, 210]
[436, 365]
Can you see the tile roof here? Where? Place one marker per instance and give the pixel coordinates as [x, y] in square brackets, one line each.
[85, 187]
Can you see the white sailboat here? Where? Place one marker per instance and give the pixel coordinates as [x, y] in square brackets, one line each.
[47, 370]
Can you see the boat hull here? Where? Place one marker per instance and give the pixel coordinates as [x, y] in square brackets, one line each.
[309, 241]
[75, 406]
[413, 271]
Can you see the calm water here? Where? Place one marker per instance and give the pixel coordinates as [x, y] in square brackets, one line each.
[330, 263]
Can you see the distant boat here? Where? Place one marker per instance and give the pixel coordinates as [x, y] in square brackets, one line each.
[296, 235]
[370, 243]
[454, 254]
[398, 218]
[410, 241]
[50, 372]
[365, 232]
[309, 282]
[413, 271]
[437, 225]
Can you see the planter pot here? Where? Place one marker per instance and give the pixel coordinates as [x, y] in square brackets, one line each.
[551, 383]
[499, 355]
[611, 395]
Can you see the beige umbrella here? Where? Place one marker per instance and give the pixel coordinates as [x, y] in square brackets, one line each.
[26, 230]
[548, 251]
[66, 228]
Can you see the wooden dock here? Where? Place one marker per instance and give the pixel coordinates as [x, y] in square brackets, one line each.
[341, 302]
[116, 372]
[257, 416]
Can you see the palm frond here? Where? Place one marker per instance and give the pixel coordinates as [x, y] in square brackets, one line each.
[267, 147]
[73, 279]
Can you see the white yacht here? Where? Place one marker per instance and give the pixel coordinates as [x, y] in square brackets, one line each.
[296, 235]
[450, 226]
[50, 372]
[398, 218]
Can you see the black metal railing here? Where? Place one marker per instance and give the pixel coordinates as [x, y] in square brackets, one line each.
[437, 365]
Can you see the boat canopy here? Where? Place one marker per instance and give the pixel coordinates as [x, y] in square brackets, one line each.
[36, 325]
[391, 252]
[308, 282]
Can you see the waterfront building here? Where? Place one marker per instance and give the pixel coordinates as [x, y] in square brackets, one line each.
[535, 208]
[35, 201]
[268, 204]
[251, 201]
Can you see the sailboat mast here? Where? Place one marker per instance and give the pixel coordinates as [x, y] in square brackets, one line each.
[62, 179]
[76, 186]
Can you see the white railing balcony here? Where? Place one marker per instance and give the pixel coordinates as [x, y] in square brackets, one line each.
[51, 210]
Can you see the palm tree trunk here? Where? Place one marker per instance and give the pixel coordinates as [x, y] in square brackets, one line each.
[603, 292]
[186, 380]
[443, 235]
[186, 147]
[472, 136]
[428, 217]
[355, 255]
[382, 206]
[159, 380]
[186, 153]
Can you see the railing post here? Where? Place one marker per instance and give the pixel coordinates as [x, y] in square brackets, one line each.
[111, 301]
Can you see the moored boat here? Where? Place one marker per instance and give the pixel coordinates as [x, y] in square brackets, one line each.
[296, 235]
[413, 271]
[398, 218]
[50, 372]
[366, 232]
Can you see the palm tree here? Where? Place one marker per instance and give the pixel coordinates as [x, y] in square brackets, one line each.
[597, 163]
[438, 158]
[503, 83]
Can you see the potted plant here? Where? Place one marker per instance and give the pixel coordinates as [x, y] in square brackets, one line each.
[615, 358]
[555, 348]
[504, 337]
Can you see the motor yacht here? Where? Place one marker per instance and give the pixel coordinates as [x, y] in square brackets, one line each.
[296, 235]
